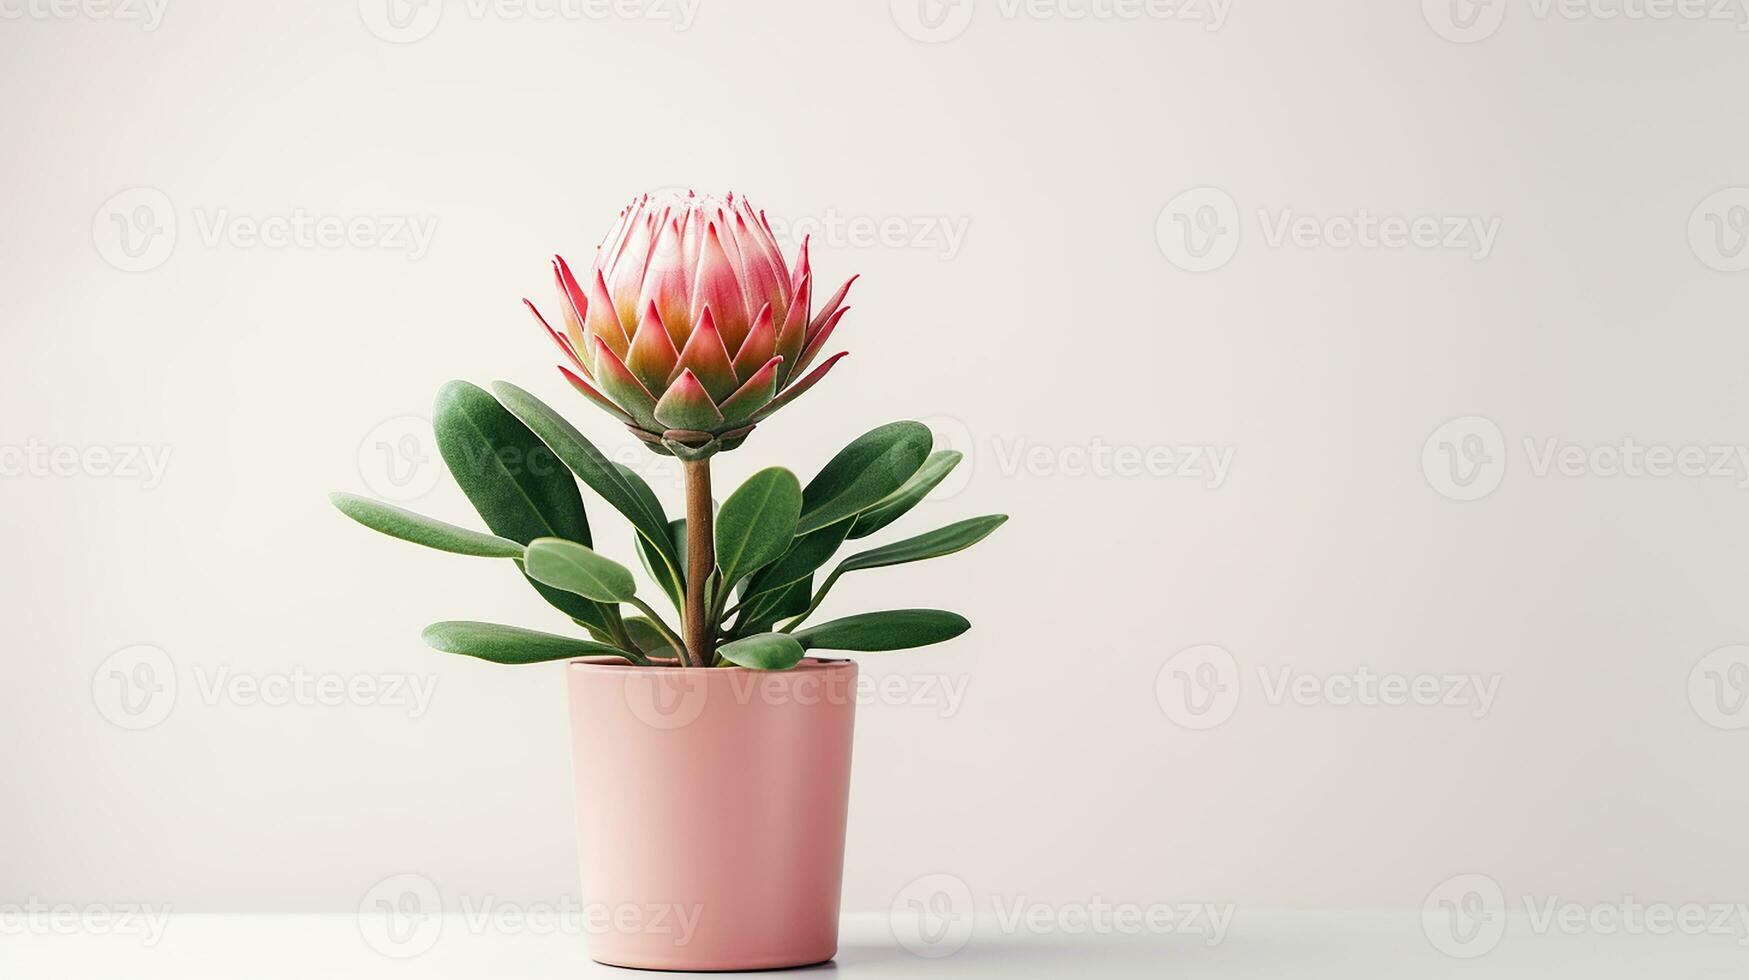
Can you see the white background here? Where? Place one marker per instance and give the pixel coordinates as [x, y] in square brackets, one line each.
[1065, 323]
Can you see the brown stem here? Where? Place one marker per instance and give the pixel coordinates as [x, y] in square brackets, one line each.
[701, 561]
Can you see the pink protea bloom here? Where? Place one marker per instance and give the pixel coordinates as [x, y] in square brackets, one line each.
[690, 327]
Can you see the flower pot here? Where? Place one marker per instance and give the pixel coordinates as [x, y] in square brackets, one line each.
[711, 810]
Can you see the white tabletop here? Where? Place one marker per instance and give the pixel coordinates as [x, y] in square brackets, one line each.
[1349, 945]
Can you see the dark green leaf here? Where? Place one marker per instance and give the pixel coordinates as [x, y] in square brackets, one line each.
[400, 523]
[766, 651]
[570, 566]
[617, 484]
[758, 522]
[894, 629]
[669, 579]
[516, 483]
[803, 557]
[941, 541]
[511, 645]
[896, 504]
[651, 641]
[877, 463]
[763, 613]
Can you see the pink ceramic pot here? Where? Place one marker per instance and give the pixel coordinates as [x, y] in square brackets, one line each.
[711, 806]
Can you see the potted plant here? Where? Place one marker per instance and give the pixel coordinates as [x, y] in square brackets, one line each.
[711, 752]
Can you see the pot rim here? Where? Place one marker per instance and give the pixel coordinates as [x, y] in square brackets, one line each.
[594, 665]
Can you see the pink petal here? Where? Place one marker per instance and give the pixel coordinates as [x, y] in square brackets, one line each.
[652, 358]
[794, 391]
[819, 340]
[718, 286]
[830, 307]
[564, 345]
[595, 396]
[759, 345]
[707, 359]
[755, 394]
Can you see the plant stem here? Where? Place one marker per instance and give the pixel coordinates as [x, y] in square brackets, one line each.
[701, 561]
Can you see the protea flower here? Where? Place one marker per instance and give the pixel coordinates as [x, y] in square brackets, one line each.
[689, 326]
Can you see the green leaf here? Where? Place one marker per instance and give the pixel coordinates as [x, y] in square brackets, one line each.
[894, 629]
[511, 645]
[763, 613]
[670, 579]
[766, 651]
[516, 483]
[804, 556]
[400, 523]
[934, 544]
[757, 523]
[941, 541]
[623, 489]
[896, 504]
[570, 566]
[877, 463]
[652, 642]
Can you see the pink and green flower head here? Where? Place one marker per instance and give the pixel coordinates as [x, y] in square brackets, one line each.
[689, 326]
